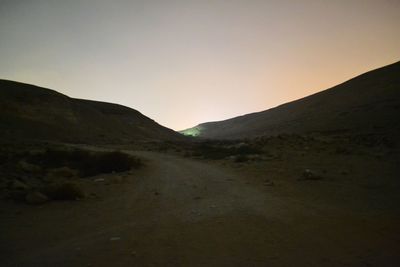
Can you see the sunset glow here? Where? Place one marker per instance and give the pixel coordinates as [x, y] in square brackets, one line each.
[182, 63]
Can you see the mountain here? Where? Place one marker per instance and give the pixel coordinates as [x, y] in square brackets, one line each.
[367, 103]
[31, 112]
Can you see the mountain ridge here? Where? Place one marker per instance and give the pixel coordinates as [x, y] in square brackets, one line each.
[33, 112]
[366, 91]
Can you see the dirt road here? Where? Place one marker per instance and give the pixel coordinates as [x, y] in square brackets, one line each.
[183, 212]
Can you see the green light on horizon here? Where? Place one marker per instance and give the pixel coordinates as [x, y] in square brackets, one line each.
[195, 131]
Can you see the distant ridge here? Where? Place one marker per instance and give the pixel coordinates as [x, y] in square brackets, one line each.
[369, 102]
[32, 112]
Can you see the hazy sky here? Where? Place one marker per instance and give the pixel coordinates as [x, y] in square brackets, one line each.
[191, 61]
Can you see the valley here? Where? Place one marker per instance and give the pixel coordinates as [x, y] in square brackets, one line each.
[310, 183]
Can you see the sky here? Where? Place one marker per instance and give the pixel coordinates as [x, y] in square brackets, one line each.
[185, 62]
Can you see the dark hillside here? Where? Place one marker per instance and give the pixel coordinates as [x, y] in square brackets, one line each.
[31, 112]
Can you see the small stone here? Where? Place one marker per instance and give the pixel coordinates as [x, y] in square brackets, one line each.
[35, 198]
[310, 175]
[115, 238]
[268, 183]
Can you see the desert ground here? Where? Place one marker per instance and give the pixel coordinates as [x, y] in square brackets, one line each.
[298, 201]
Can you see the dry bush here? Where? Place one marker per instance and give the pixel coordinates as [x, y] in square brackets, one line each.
[63, 191]
[86, 163]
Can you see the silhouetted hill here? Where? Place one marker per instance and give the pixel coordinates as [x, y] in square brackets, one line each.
[31, 112]
[367, 103]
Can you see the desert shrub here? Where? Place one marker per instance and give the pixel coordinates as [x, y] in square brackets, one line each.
[246, 150]
[35, 198]
[62, 172]
[342, 150]
[220, 150]
[17, 195]
[28, 167]
[87, 163]
[108, 162]
[213, 152]
[3, 158]
[241, 158]
[63, 191]
[57, 158]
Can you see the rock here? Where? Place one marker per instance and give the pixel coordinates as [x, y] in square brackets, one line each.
[268, 183]
[35, 198]
[309, 175]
